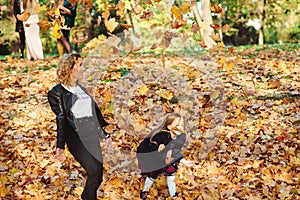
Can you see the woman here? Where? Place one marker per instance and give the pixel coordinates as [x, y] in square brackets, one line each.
[79, 122]
[34, 48]
[64, 20]
[160, 153]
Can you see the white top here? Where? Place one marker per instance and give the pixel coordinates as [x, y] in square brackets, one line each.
[83, 105]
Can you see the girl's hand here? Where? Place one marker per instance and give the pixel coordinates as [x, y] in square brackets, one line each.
[60, 154]
[187, 163]
[169, 157]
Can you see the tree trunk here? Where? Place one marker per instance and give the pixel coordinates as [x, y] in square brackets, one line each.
[262, 14]
[204, 22]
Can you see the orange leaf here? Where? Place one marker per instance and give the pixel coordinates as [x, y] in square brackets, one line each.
[176, 12]
[126, 26]
[23, 17]
[45, 24]
[216, 9]
[216, 26]
[202, 44]
[226, 28]
[105, 14]
[185, 7]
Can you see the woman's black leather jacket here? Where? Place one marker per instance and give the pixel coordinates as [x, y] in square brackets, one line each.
[61, 102]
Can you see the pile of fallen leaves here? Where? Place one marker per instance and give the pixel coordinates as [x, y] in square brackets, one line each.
[241, 109]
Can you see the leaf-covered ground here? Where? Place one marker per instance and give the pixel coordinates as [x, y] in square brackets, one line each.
[241, 108]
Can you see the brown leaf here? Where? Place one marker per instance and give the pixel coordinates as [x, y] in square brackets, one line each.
[216, 26]
[274, 83]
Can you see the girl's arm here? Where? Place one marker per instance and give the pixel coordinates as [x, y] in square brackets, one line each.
[64, 9]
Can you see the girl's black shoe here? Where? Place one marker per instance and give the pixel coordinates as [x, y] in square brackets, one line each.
[143, 195]
[175, 195]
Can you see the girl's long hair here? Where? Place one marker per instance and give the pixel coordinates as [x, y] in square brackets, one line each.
[164, 126]
[65, 66]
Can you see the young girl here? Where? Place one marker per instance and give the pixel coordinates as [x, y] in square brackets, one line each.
[160, 153]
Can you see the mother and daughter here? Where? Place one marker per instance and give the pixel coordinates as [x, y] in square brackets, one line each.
[80, 125]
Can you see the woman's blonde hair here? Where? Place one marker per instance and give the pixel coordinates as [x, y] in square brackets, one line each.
[65, 66]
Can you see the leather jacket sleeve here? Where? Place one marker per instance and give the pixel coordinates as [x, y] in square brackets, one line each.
[55, 99]
[100, 117]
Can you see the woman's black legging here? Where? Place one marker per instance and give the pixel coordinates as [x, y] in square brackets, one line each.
[93, 167]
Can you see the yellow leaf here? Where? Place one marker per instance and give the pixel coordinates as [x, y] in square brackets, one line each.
[240, 21]
[166, 94]
[107, 96]
[143, 89]
[78, 190]
[238, 111]
[221, 60]
[278, 132]
[242, 137]
[67, 189]
[111, 24]
[229, 65]
[176, 12]
[40, 8]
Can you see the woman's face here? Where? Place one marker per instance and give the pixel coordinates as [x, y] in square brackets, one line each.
[177, 126]
[77, 70]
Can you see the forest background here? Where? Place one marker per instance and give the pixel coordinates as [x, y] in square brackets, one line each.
[231, 68]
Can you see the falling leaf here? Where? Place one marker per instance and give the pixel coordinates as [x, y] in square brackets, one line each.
[216, 9]
[240, 21]
[111, 24]
[147, 14]
[185, 7]
[202, 44]
[176, 12]
[40, 8]
[216, 26]
[226, 28]
[195, 28]
[45, 24]
[23, 17]
[126, 26]
[106, 14]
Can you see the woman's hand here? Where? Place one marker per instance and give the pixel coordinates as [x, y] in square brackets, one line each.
[187, 163]
[60, 154]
